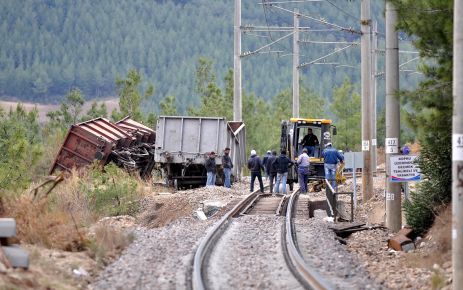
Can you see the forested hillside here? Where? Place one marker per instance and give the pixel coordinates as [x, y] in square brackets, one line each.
[49, 47]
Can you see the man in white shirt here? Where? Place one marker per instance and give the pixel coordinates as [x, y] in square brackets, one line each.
[303, 162]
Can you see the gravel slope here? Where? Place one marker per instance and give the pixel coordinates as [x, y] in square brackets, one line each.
[330, 258]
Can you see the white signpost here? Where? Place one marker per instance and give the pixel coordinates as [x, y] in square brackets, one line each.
[354, 161]
[404, 168]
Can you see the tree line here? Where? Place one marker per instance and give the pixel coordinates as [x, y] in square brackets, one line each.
[55, 46]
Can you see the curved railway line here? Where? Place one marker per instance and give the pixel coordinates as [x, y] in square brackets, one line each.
[259, 204]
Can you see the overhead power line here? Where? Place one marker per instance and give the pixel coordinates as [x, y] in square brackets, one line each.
[325, 56]
[320, 20]
[342, 10]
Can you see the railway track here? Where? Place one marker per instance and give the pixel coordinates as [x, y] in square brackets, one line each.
[263, 204]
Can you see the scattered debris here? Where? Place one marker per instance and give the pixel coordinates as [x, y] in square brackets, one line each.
[329, 219]
[211, 207]
[11, 255]
[80, 272]
[199, 213]
[345, 230]
[402, 241]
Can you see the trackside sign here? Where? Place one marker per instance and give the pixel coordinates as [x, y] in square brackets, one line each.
[404, 168]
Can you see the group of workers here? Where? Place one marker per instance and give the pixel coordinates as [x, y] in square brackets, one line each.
[276, 167]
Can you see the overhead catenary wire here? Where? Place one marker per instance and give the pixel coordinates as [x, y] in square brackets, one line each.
[289, 2]
[265, 7]
[266, 46]
[328, 42]
[325, 56]
[342, 10]
[320, 20]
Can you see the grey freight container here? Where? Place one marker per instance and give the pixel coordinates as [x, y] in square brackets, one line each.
[183, 144]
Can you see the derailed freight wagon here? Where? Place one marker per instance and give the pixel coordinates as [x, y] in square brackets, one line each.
[183, 144]
[127, 143]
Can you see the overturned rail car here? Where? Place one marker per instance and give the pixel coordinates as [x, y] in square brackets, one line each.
[183, 144]
[127, 143]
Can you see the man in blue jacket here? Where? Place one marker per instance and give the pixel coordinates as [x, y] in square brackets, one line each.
[282, 163]
[331, 157]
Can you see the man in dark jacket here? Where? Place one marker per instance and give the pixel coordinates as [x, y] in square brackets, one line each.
[271, 169]
[211, 169]
[282, 163]
[309, 142]
[264, 162]
[227, 165]
[255, 165]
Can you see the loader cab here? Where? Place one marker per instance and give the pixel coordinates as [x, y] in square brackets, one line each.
[321, 128]
[293, 131]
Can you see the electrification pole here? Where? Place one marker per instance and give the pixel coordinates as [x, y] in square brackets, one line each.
[367, 175]
[374, 68]
[237, 102]
[393, 193]
[296, 64]
[457, 148]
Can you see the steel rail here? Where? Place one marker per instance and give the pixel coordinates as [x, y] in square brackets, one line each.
[211, 237]
[306, 274]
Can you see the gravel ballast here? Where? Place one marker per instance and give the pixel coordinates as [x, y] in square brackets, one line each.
[249, 256]
[330, 258]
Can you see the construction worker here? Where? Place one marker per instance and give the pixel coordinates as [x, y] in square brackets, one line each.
[332, 157]
[309, 142]
[264, 162]
[271, 169]
[211, 169]
[227, 165]
[303, 162]
[282, 163]
[255, 165]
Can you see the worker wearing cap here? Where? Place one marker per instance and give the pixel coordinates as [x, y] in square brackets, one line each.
[331, 157]
[255, 166]
[211, 169]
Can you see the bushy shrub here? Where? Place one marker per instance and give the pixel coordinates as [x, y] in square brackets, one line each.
[433, 192]
[111, 192]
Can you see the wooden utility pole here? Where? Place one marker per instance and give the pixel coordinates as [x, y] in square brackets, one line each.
[457, 147]
[367, 174]
[393, 192]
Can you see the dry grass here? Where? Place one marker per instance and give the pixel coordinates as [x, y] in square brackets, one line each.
[108, 243]
[60, 220]
[38, 224]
